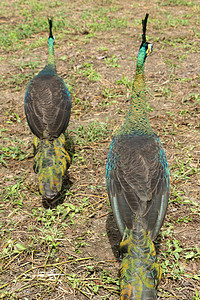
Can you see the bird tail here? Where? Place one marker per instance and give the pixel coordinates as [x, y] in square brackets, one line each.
[140, 273]
[51, 161]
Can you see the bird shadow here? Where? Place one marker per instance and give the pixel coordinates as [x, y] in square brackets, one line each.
[114, 235]
[67, 183]
[158, 244]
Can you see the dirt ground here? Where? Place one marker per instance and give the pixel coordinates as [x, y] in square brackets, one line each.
[70, 251]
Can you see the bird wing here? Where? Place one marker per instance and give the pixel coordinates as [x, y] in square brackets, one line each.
[47, 106]
[139, 183]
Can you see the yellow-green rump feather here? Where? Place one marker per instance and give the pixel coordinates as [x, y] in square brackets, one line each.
[51, 161]
[140, 273]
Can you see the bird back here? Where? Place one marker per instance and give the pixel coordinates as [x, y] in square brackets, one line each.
[137, 177]
[47, 105]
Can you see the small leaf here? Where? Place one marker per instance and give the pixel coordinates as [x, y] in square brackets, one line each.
[20, 247]
[190, 255]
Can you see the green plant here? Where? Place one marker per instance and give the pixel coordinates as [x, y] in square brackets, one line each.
[112, 61]
[12, 149]
[124, 80]
[197, 296]
[14, 192]
[194, 254]
[177, 3]
[95, 131]
[87, 70]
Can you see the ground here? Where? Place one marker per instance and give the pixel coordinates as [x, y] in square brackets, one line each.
[70, 251]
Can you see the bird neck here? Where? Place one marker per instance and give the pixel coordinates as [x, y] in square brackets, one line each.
[137, 121]
[51, 64]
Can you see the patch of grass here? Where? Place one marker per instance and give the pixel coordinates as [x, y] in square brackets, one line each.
[181, 57]
[108, 94]
[177, 3]
[88, 71]
[11, 248]
[197, 296]
[103, 48]
[184, 219]
[183, 170]
[125, 81]
[192, 99]
[32, 22]
[2, 130]
[12, 38]
[12, 149]
[41, 41]
[94, 286]
[181, 43]
[112, 61]
[17, 80]
[94, 132]
[192, 253]
[171, 255]
[80, 243]
[62, 216]
[174, 22]
[177, 196]
[28, 65]
[13, 118]
[80, 104]
[107, 23]
[14, 192]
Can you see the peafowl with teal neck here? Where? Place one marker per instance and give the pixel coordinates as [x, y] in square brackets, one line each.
[47, 107]
[137, 179]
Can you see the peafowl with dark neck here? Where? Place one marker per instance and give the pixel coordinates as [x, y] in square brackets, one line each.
[137, 178]
[47, 107]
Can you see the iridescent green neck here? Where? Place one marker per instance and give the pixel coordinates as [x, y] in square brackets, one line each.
[51, 64]
[137, 121]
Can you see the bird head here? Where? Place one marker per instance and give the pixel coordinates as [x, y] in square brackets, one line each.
[148, 47]
[50, 28]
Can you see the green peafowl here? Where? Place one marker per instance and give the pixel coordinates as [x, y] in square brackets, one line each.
[47, 107]
[137, 179]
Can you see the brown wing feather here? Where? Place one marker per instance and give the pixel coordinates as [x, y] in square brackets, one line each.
[138, 184]
[47, 106]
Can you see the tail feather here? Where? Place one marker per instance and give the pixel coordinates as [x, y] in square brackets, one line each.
[51, 161]
[140, 273]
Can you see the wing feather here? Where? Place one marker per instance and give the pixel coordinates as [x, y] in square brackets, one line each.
[47, 106]
[138, 185]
